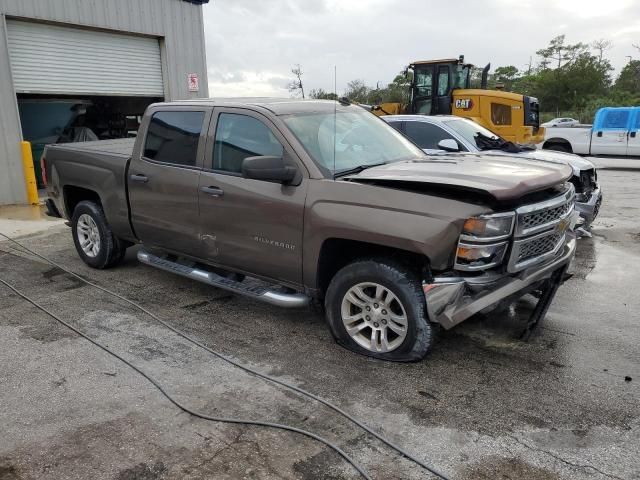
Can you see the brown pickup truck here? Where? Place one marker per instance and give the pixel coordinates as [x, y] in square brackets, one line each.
[320, 201]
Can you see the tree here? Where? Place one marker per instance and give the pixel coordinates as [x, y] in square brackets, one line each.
[601, 46]
[629, 78]
[506, 75]
[398, 90]
[571, 85]
[560, 52]
[320, 94]
[357, 91]
[296, 84]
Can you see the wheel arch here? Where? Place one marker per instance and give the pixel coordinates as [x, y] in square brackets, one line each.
[335, 253]
[73, 195]
[557, 141]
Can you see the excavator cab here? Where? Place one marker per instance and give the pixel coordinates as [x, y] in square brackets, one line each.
[434, 81]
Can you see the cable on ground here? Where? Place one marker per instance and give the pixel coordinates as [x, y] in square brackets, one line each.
[256, 373]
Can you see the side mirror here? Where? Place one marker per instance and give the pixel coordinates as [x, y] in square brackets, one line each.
[448, 145]
[268, 168]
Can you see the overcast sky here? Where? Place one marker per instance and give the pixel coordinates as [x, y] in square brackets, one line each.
[252, 44]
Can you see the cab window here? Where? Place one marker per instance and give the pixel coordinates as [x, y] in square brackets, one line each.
[616, 119]
[424, 81]
[238, 137]
[173, 136]
[443, 81]
[426, 135]
[500, 114]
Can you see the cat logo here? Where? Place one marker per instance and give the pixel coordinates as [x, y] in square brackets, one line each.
[464, 103]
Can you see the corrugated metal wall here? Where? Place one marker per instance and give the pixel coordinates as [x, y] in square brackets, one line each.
[178, 23]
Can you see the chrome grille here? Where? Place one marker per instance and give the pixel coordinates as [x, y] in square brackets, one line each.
[539, 217]
[538, 246]
[541, 230]
[533, 250]
[544, 217]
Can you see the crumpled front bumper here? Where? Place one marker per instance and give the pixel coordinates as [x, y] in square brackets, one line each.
[451, 300]
[589, 210]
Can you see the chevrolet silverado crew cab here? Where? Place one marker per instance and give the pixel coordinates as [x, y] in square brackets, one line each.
[440, 134]
[319, 201]
[615, 131]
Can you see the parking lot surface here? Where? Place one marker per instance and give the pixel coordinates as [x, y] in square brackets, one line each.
[482, 405]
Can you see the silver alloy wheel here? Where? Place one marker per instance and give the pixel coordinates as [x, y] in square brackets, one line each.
[374, 317]
[88, 235]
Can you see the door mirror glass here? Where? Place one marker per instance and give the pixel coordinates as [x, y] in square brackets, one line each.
[268, 168]
[448, 145]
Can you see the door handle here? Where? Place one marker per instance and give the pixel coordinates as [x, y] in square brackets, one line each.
[137, 177]
[213, 191]
[632, 134]
[599, 134]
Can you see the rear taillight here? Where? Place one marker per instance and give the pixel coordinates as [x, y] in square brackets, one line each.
[43, 170]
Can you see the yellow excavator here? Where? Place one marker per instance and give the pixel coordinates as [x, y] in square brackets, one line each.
[443, 87]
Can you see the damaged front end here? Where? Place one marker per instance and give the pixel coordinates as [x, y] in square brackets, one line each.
[588, 196]
[509, 261]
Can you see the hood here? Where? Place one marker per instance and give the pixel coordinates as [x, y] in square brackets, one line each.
[502, 178]
[576, 162]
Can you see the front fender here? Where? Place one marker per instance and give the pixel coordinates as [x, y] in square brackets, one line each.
[415, 222]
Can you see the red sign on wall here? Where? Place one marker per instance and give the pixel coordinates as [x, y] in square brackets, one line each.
[193, 82]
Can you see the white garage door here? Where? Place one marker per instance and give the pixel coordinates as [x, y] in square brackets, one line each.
[62, 60]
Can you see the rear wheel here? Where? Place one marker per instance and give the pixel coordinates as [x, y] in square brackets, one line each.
[377, 308]
[95, 242]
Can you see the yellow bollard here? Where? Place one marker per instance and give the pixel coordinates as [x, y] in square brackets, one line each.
[29, 173]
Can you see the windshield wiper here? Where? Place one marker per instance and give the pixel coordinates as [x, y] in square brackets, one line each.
[358, 169]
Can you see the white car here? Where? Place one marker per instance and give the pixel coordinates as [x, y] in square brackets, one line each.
[444, 134]
[561, 122]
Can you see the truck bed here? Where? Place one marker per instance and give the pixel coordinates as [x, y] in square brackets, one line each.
[120, 147]
[99, 166]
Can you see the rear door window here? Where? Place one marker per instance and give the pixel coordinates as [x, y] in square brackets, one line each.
[241, 136]
[426, 135]
[173, 137]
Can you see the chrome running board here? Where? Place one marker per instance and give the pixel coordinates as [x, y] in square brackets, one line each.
[281, 299]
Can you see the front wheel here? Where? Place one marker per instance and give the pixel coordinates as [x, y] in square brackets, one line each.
[377, 308]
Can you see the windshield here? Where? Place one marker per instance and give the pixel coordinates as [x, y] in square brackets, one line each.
[469, 131]
[348, 139]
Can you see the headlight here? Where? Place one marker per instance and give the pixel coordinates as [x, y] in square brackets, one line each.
[484, 241]
[479, 257]
[487, 228]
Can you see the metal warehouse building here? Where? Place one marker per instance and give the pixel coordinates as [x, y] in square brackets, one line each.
[73, 70]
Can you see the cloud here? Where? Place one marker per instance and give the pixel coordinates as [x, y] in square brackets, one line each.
[252, 44]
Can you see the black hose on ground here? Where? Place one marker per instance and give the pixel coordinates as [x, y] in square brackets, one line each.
[195, 413]
[264, 376]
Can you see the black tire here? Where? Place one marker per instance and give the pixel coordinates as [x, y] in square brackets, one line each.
[405, 284]
[558, 148]
[111, 250]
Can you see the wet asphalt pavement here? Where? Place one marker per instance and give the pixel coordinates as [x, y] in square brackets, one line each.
[483, 405]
